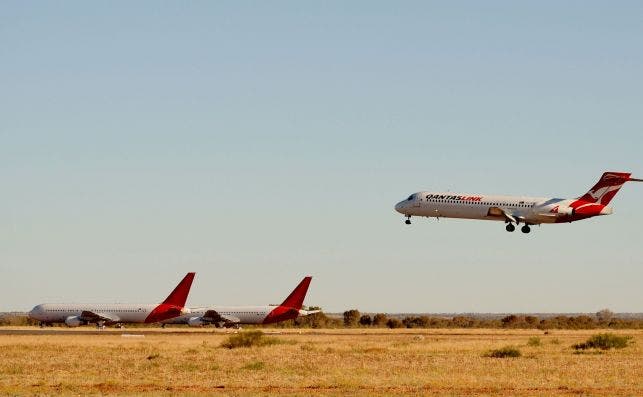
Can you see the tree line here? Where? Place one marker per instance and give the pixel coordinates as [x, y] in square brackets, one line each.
[354, 319]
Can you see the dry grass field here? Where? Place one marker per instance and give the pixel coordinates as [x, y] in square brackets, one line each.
[330, 362]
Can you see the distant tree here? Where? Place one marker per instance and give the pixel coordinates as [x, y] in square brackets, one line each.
[394, 323]
[532, 321]
[604, 316]
[379, 320]
[351, 318]
[417, 322]
[365, 320]
[463, 322]
[510, 321]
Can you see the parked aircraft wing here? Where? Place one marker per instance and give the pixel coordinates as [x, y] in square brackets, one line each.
[92, 317]
[213, 316]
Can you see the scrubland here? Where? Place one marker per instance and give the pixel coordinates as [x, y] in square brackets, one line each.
[324, 362]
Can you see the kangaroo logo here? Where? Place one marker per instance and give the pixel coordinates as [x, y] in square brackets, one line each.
[598, 194]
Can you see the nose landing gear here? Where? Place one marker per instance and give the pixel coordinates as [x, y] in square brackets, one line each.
[408, 220]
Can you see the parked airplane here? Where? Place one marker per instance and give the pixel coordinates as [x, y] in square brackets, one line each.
[517, 209]
[115, 313]
[226, 316]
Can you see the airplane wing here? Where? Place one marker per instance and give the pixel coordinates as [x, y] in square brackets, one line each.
[497, 211]
[92, 317]
[213, 316]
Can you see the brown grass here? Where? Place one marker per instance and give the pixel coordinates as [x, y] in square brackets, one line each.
[327, 362]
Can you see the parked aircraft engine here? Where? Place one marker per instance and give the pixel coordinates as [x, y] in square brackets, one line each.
[73, 321]
[196, 322]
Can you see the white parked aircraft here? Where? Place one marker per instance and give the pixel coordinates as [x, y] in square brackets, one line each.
[115, 313]
[516, 209]
[234, 315]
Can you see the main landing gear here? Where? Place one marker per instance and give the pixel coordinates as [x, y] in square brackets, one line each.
[510, 228]
[408, 220]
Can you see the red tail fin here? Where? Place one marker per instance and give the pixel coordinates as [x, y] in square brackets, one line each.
[180, 293]
[606, 187]
[296, 298]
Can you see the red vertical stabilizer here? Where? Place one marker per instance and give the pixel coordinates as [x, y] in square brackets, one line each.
[289, 309]
[296, 298]
[606, 188]
[180, 293]
[173, 305]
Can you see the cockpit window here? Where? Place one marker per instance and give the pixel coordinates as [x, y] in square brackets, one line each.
[411, 197]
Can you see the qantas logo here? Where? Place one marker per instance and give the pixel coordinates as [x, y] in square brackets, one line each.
[447, 197]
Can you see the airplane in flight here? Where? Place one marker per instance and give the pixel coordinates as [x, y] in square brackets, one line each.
[103, 314]
[517, 209]
[233, 316]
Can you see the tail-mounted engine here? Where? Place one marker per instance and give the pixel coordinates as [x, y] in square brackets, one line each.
[563, 210]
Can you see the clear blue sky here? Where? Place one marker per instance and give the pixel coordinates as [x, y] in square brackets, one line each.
[255, 143]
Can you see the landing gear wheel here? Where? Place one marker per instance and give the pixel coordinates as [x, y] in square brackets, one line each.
[510, 227]
[408, 220]
[525, 229]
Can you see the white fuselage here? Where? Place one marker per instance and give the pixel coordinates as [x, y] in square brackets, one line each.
[245, 314]
[531, 210]
[121, 312]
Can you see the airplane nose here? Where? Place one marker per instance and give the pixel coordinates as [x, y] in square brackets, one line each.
[34, 312]
[399, 207]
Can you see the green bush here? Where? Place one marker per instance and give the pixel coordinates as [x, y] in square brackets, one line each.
[249, 339]
[534, 341]
[503, 352]
[604, 342]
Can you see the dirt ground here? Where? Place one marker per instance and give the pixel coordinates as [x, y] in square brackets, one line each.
[325, 362]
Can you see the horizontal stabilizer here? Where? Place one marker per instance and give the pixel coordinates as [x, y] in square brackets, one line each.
[308, 312]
